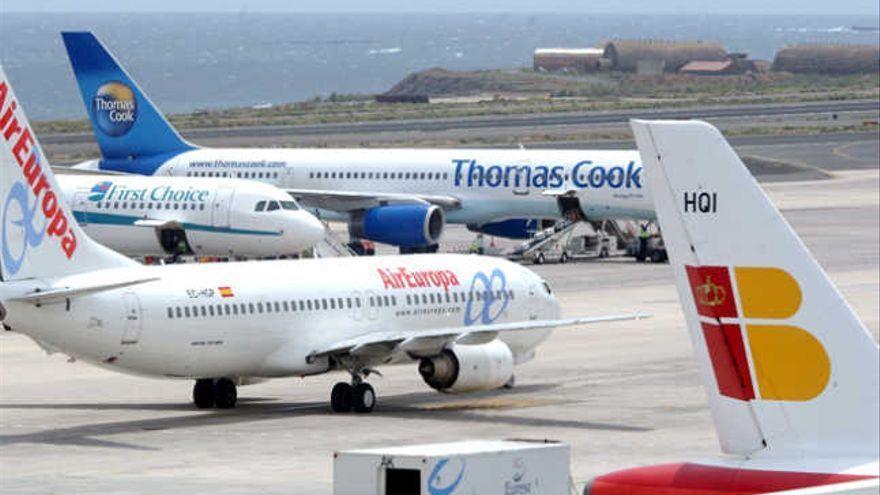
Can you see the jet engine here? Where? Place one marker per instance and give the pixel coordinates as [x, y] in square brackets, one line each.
[407, 225]
[467, 368]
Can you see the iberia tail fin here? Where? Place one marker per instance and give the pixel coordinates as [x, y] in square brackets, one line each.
[788, 367]
[126, 123]
[39, 238]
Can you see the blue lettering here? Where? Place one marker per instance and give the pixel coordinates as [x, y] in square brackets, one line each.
[597, 177]
[493, 176]
[615, 177]
[475, 174]
[458, 164]
[540, 177]
[576, 174]
[633, 177]
[556, 177]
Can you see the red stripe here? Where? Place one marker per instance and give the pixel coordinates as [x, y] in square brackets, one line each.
[729, 361]
[699, 479]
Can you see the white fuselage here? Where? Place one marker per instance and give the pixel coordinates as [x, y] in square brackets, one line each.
[218, 217]
[264, 319]
[492, 185]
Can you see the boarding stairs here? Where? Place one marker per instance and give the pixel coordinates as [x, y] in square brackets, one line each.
[332, 246]
[545, 238]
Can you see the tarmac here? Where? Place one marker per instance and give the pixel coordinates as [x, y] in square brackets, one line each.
[621, 394]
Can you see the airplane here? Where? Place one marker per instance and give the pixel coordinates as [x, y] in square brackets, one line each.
[161, 216]
[791, 374]
[401, 197]
[466, 320]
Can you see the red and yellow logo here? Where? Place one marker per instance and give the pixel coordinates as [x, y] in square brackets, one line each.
[226, 291]
[787, 362]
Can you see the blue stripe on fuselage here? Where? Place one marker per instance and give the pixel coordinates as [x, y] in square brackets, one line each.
[127, 220]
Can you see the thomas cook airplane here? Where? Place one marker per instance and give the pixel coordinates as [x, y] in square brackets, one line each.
[467, 320]
[790, 371]
[401, 197]
[159, 216]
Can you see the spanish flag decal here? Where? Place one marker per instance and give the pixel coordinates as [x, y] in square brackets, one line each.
[788, 363]
[226, 292]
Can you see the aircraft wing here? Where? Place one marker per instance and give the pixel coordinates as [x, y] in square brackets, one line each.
[356, 200]
[67, 170]
[430, 342]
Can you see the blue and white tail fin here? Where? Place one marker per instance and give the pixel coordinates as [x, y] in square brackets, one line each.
[788, 368]
[127, 125]
[39, 237]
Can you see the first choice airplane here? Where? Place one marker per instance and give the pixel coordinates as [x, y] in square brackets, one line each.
[467, 320]
[401, 197]
[160, 216]
[791, 374]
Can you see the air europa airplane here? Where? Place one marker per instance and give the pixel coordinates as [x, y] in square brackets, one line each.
[467, 320]
[791, 373]
[158, 216]
[401, 197]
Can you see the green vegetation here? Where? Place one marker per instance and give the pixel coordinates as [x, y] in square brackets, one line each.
[510, 92]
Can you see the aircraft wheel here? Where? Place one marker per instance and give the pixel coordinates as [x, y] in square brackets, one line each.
[363, 398]
[540, 259]
[225, 393]
[341, 397]
[509, 384]
[203, 393]
[564, 258]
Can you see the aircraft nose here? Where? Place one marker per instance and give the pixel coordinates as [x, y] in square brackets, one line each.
[310, 231]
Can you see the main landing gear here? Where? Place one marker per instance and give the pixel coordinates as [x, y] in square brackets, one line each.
[220, 393]
[358, 396]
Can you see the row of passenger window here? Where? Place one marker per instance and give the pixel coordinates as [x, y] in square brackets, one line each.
[239, 175]
[133, 205]
[380, 175]
[326, 304]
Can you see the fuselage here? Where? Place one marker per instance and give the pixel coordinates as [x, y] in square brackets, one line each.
[264, 319]
[152, 216]
[492, 185]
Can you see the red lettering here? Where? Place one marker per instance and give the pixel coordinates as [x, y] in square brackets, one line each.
[386, 280]
[41, 184]
[58, 224]
[22, 146]
[50, 204]
[31, 169]
[13, 128]
[68, 244]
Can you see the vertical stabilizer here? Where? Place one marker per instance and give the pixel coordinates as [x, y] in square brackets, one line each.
[788, 367]
[39, 237]
[127, 125]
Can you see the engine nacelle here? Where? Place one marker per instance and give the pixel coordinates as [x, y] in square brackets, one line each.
[515, 228]
[409, 225]
[467, 368]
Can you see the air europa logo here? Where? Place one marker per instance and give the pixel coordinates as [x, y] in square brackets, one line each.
[114, 108]
[444, 478]
[488, 298]
[20, 142]
[787, 362]
[402, 278]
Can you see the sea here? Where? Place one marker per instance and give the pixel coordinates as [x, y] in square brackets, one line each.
[194, 61]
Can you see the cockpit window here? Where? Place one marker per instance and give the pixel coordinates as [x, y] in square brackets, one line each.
[261, 205]
[289, 205]
[273, 205]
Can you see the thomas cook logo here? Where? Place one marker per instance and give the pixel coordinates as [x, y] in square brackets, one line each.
[18, 228]
[445, 478]
[787, 362]
[99, 190]
[489, 298]
[114, 108]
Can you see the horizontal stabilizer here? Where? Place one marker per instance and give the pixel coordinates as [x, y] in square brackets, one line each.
[56, 295]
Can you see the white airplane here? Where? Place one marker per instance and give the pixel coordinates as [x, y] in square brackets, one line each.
[791, 373]
[158, 216]
[400, 197]
[467, 320]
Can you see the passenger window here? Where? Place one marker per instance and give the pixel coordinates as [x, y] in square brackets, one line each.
[286, 307]
[357, 301]
[251, 308]
[302, 306]
[332, 303]
[349, 302]
[448, 298]
[176, 206]
[372, 302]
[170, 312]
[479, 296]
[261, 205]
[408, 300]
[211, 310]
[186, 311]
[309, 303]
[424, 299]
[387, 300]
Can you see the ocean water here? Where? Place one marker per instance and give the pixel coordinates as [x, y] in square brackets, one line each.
[192, 61]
